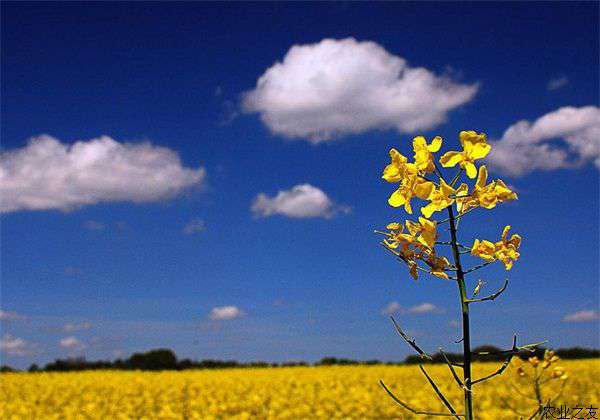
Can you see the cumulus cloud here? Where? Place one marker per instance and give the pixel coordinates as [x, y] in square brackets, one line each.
[337, 87]
[582, 316]
[82, 326]
[225, 313]
[72, 343]
[300, 202]
[10, 316]
[194, 226]
[15, 346]
[557, 83]
[423, 308]
[47, 174]
[566, 138]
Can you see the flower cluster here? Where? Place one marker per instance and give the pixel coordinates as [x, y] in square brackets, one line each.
[416, 244]
[504, 250]
[540, 367]
[415, 180]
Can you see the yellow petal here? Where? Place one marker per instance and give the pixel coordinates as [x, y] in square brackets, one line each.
[471, 170]
[482, 177]
[392, 173]
[419, 143]
[440, 274]
[396, 199]
[480, 150]
[450, 159]
[435, 145]
[407, 207]
[428, 210]
[446, 189]
[394, 226]
[424, 190]
[505, 232]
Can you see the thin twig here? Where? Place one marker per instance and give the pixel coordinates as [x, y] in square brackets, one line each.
[438, 392]
[492, 296]
[497, 372]
[449, 363]
[466, 248]
[456, 177]
[414, 411]
[411, 341]
[477, 267]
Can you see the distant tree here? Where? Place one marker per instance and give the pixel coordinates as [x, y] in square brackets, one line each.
[6, 368]
[33, 368]
[159, 359]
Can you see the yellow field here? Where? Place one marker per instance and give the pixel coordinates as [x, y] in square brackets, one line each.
[282, 393]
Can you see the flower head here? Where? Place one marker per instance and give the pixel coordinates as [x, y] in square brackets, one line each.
[475, 147]
[412, 185]
[424, 152]
[394, 172]
[440, 198]
[504, 250]
[483, 195]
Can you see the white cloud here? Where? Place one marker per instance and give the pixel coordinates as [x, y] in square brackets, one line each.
[423, 308]
[10, 316]
[225, 313]
[301, 201]
[194, 226]
[47, 174]
[82, 326]
[566, 138]
[338, 87]
[582, 316]
[15, 346]
[72, 343]
[557, 83]
[391, 308]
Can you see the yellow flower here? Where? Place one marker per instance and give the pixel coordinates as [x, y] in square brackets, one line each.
[440, 199]
[394, 172]
[394, 226]
[560, 373]
[534, 361]
[474, 146]
[484, 249]
[412, 185]
[506, 249]
[486, 196]
[424, 152]
[426, 230]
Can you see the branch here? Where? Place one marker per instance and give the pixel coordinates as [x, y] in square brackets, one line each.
[497, 372]
[411, 341]
[492, 296]
[439, 393]
[451, 367]
[466, 248]
[412, 410]
[477, 267]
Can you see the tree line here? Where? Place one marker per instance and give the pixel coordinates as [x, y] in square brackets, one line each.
[165, 359]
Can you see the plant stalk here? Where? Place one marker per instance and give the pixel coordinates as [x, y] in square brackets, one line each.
[460, 278]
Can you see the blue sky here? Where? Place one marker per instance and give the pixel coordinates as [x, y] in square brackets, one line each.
[98, 261]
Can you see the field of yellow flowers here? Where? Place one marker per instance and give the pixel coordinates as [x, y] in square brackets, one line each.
[271, 393]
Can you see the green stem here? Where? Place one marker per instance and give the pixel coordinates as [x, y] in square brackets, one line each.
[460, 277]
